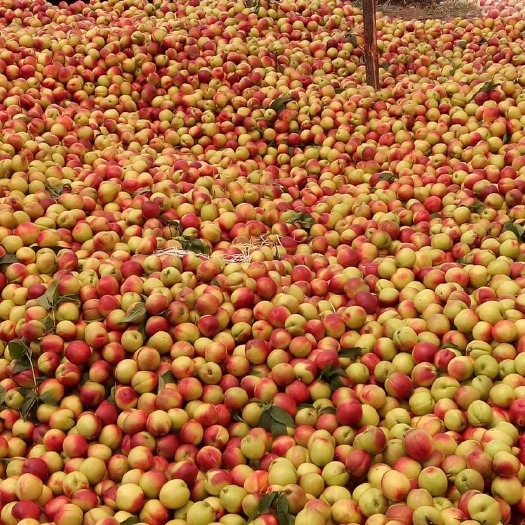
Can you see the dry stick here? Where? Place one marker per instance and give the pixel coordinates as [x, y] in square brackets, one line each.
[371, 53]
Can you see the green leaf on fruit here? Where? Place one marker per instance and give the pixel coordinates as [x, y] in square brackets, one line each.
[175, 227]
[516, 229]
[111, 397]
[21, 365]
[48, 323]
[304, 219]
[477, 207]
[18, 349]
[28, 408]
[487, 87]
[168, 377]
[281, 416]
[47, 300]
[388, 176]
[193, 245]
[279, 103]
[304, 405]
[55, 249]
[267, 502]
[132, 520]
[67, 299]
[237, 417]
[265, 421]
[48, 399]
[142, 191]
[56, 191]
[278, 429]
[351, 38]
[8, 258]
[327, 410]
[256, 373]
[136, 313]
[336, 383]
[282, 511]
[451, 346]
[350, 353]
[3, 392]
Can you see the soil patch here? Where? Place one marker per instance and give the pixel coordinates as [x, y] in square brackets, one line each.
[433, 9]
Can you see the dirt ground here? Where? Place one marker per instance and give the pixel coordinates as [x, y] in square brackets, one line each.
[424, 9]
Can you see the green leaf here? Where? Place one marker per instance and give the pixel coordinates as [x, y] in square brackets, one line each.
[56, 191]
[175, 227]
[8, 258]
[304, 219]
[282, 514]
[68, 299]
[18, 349]
[266, 421]
[140, 191]
[488, 87]
[304, 405]
[28, 406]
[336, 383]
[237, 417]
[435, 215]
[281, 416]
[388, 176]
[47, 300]
[351, 38]
[451, 346]
[3, 392]
[111, 397]
[54, 249]
[21, 365]
[477, 207]
[256, 373]
[278, 429]
[327, 410]
[197, 246]
[48, 323]
[516, 229]
[279, 103]
[267, 501]
[132, 520]
[350, 352]
[136, 313]
[168, 377]
[48, 399]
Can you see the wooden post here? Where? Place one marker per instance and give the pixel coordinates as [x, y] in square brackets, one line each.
[371, 53]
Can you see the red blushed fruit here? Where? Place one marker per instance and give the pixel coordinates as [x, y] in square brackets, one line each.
[517, 412]
[358, 463]
[78, 352]
[419, 444]
[327, 358]
[349, 412]
[286, 402]
[370, 360]
[52, 506]
[366, 300]
[399, 385]
[36, 466]
[443, 358]
[25, 510]
[424, 352]
[107, 412]
[299, 391]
